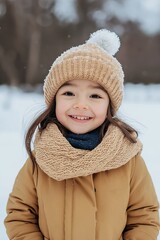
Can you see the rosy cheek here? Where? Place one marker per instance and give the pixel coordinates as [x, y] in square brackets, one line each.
[103, 112]
[58, 111]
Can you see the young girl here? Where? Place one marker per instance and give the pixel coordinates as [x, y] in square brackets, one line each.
[85, 178]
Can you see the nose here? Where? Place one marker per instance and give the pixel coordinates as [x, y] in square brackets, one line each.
[80, 105]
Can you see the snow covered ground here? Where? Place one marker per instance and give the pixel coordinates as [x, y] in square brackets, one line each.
[141, 108]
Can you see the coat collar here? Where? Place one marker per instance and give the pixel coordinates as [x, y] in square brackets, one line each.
[59, 160]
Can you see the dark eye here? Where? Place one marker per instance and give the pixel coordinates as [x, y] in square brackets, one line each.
[95, 96]
[68, 94]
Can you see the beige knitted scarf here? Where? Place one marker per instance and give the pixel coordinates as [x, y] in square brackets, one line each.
[59, 160]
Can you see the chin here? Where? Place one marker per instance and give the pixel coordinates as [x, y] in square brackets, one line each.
[80, 132]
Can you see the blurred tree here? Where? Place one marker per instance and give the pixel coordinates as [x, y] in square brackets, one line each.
[34, 33]
[7, 47]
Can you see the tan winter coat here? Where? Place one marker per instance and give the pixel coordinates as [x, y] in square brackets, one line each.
[105, 200]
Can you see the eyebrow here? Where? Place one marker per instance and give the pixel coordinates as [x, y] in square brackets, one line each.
[74, 85]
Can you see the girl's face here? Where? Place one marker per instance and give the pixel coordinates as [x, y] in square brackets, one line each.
[81, 106]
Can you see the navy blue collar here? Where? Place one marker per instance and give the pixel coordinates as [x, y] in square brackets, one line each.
[87, 141]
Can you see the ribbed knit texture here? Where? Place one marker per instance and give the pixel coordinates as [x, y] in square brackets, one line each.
[86, 62]
[86, 141]
[59, 160]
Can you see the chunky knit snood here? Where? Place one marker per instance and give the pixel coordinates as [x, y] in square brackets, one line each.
[59, 160]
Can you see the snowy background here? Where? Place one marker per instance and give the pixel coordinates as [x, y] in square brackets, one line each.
[147, 16]
[144, 13]
[141, 108]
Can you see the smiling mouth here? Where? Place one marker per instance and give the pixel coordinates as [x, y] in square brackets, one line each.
[80, 117]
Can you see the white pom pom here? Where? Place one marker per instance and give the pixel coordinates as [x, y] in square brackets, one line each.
[107, 40]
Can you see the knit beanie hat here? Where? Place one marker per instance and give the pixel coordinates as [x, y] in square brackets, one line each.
[91, 61]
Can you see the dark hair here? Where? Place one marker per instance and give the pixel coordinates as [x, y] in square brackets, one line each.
[49, 116]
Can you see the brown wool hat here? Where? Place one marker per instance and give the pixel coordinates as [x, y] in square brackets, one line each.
[91, 61]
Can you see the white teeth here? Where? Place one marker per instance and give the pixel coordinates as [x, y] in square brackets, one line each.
[81, 118]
